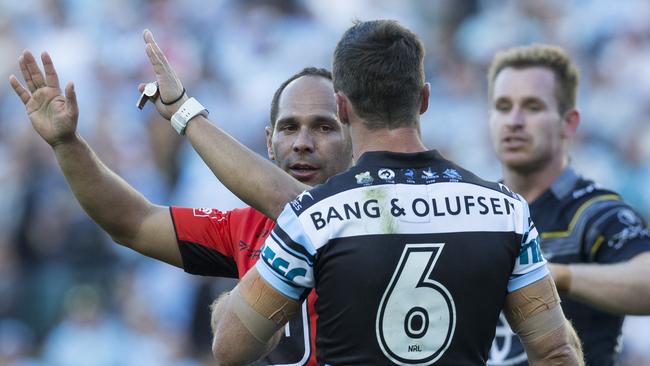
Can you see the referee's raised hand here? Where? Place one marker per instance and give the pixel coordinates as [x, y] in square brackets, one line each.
[171, 92]
[53, 114]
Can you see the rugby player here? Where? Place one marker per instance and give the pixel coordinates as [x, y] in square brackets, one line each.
[598, 246]
[305, 139]
[411, 255]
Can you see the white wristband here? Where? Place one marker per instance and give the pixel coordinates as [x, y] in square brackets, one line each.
[190, 109]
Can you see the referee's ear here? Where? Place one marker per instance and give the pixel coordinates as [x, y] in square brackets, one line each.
[269, 142]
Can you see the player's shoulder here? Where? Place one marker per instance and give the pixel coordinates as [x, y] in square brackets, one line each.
[471, 178]
[583, 201]
[586, 193]
[336, 184]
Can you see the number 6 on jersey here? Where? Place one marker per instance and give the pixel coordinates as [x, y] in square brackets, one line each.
[417, 315]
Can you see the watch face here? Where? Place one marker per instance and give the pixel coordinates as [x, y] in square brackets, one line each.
[151, 89]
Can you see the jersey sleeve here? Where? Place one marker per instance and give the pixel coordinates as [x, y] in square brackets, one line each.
[204, 241]
[530, 265]
[287, 258]
[616, 235]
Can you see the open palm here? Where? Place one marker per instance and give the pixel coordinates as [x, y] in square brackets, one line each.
[53, 115]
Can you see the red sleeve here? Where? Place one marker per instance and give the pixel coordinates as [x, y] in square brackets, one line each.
[217, 243]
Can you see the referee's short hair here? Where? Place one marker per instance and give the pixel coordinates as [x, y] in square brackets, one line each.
[307, 71]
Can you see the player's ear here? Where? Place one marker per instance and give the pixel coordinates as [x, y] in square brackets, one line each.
[342, 108]
[424, 97]
[269, 142]
[571, 121]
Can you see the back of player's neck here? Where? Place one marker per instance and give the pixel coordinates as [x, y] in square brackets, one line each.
[404, 139]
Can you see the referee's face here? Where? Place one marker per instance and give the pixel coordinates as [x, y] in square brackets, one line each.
[525, 124]
[307, 140]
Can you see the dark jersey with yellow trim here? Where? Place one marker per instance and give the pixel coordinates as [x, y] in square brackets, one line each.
[580, 222]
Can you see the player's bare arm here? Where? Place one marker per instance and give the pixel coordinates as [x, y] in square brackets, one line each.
[247, 322]
[262, 185]
[619, 288]
[118, 208]
[534, 313]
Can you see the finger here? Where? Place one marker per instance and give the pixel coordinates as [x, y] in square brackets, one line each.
[163, 59]
[157, 52]
[34, 70]
[155, 61]
[71, 103]
[26, 75]
[148, 36]
[141, 87]
[51, 78]
[20, 90]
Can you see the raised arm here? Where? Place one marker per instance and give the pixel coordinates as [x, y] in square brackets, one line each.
[619, 288]
[119, 209]
[261, 184]
[535, 315]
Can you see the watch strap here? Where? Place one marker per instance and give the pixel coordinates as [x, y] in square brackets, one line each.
[190, 109]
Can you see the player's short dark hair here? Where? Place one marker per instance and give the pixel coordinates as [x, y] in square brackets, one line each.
[307, 71]
[540, 55]
[378, 65]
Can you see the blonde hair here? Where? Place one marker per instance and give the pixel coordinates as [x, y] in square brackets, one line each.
[540, 55]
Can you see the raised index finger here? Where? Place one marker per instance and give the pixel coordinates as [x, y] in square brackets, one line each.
[51, 78]
[155, 54]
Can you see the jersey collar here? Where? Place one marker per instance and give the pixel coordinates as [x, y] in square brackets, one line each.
[565, 183]
[399, 160]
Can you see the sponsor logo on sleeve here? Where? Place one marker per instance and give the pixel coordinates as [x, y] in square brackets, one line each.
[530, 252]
[297, 203]
[286, 265]
[506, 190]
[209, 213]
[633, 229]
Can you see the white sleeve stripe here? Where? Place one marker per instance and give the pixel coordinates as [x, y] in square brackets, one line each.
[524, 280]
[290, 224]
[274, 279]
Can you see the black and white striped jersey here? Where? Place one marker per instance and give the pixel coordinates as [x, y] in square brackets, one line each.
[411, 257]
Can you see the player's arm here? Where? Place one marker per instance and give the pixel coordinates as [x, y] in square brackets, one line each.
[255, 180]
[535, 315]
[118, 208]
[618, 242]
[247, 322]
[618, 288]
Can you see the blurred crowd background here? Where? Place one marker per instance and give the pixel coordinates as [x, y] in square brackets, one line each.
[70, 296]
